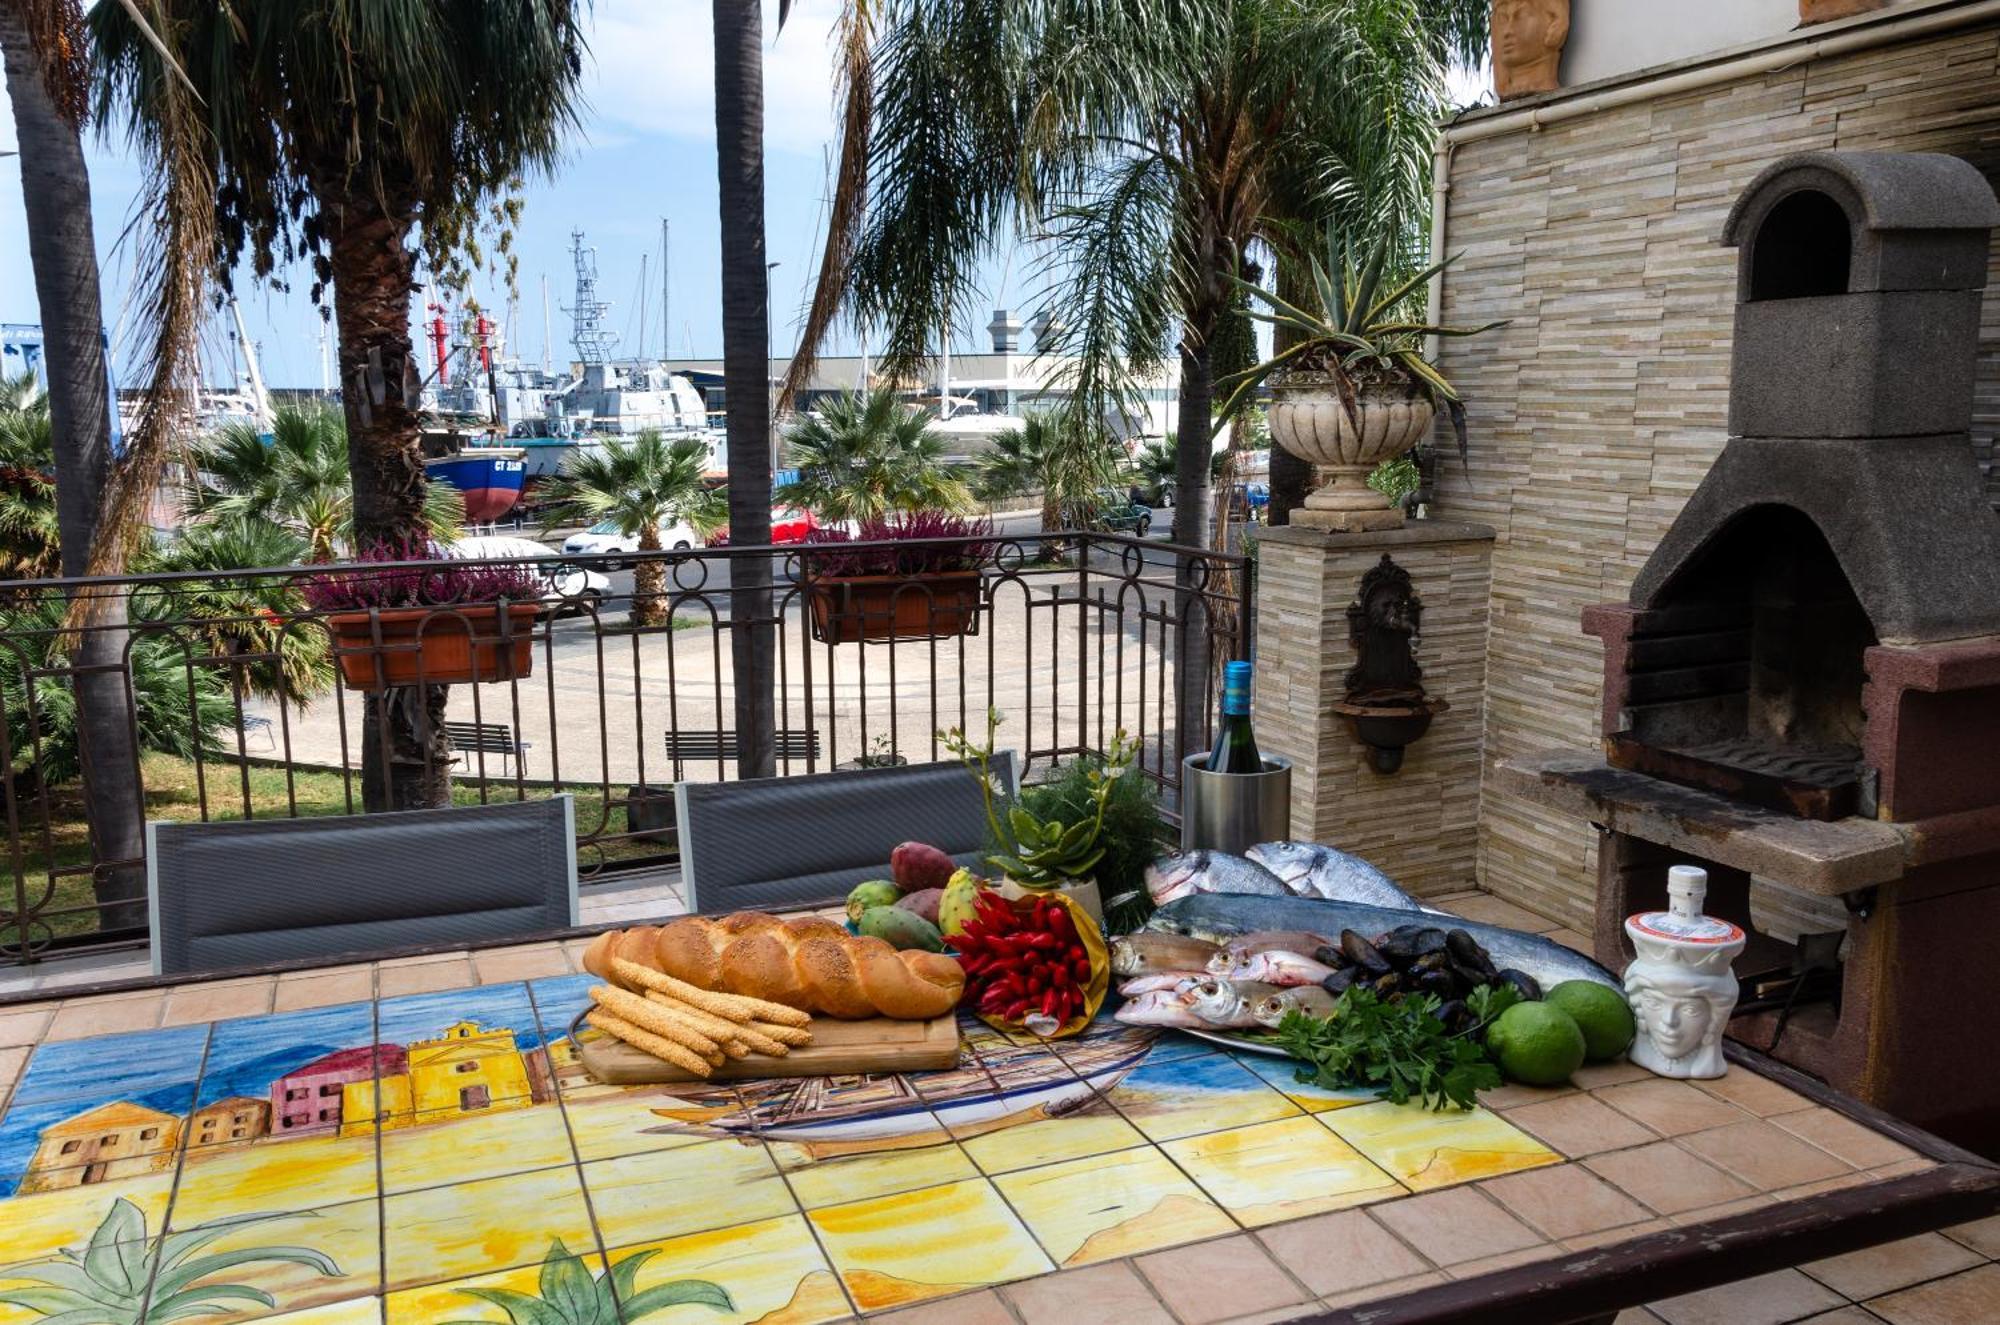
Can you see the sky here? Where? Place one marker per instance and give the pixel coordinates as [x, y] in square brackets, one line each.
[646, 151]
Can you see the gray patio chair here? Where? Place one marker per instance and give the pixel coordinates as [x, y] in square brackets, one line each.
[259, 891]
[805, 841]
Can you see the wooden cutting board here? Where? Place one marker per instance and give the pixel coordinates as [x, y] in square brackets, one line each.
[838, 1048]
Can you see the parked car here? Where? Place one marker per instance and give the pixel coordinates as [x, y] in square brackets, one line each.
[604, 539]
[1117, 512]
[789, 524]
[579, 583]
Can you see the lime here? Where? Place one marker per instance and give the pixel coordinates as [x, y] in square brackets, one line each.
[1536, 1044]
[1600, 1012]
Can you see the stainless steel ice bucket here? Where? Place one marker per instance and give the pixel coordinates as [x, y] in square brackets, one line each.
[1232, 811]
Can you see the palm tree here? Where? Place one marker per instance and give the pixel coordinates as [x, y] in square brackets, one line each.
[123, 1276]
[739, 171]
[299, 478]
[571, 1295]
[1045, 455]
[365, 138]
[30, 534]
[639, 486]
[1151, 143]
[861, 457]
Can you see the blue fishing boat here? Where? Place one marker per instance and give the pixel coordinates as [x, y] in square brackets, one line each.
[489, 476]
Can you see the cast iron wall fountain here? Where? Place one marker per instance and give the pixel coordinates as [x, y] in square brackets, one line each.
[1385, 706]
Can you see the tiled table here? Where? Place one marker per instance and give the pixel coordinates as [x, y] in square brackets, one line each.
[1127, 1176]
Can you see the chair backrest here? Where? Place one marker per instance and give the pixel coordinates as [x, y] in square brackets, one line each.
[805, 841]
[259, 891]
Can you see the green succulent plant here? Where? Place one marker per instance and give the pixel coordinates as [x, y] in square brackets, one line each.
[1046, 852]
[107, 1282]
[1362, 333]
[571, 1295]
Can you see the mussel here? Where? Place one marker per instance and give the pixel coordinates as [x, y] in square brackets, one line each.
[1390, 984]
[1364, 954]
[1526, 985]
[1467, 955]
[1454, 1014]
[1330, 954]
[1337, 983]
[1441, 983]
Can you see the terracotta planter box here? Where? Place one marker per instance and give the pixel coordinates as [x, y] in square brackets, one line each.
[434, 645]
[850, 608]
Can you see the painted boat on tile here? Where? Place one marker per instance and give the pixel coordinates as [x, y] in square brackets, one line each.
[1012, 1082]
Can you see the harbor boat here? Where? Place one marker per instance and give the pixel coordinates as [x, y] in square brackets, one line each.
[490, 477]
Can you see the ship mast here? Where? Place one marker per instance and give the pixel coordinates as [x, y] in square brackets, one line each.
[593, 343]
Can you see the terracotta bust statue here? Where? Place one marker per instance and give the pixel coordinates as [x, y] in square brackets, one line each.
[1528, 37]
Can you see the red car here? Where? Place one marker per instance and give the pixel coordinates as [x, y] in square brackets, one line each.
[788, 525]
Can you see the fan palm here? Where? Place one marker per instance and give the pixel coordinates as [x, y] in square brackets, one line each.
[298, 478]
[362, 138]
[30, 534]
[571, 1295]
[1047, 455]
[862, 457]
[122, 1276]
[638, 485]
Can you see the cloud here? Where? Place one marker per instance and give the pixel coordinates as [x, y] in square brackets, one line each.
[654, 71]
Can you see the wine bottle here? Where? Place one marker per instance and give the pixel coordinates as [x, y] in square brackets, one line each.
[1235, 747]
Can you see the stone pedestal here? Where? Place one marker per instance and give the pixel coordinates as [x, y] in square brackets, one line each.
[1419, 825]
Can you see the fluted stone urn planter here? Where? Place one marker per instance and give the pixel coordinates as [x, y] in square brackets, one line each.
[1309, 419]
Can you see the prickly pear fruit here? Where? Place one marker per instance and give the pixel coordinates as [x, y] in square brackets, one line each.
[873, 893]
[917, 865]
[923, 903]
[900, 928]
[956, 907]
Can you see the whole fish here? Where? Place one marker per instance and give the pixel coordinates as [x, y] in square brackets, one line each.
[1228, 1004]
[1270, 967]
[1133, 986]
[1161, 1007]
[1309, 999]
[1188, 872]
[1220, 918]
[1277, 940]
[1146, 952]
[1308, 869]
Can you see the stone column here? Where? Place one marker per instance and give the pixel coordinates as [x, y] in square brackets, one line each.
[1420, 824]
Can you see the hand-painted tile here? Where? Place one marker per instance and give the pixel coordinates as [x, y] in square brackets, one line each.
[1092, 1128]
[772, 1272]
[666, 1193]
[36, 1227]
[1424, 1149]
[1112, 1205]
[1283, 1073]
[609, 1121]
[303, 1259]
[100, 1110]
[1019, 1086]
[560, 1277]
[289, 1076]
[895, 1250]
[1282, 1170]
[354, 1311]
[1160, 1045]
[297, 1173]
[822, 1176]
[444, 1233]
[558, 999]
[1206, 1093]
[509, 1136]
[130, 1066]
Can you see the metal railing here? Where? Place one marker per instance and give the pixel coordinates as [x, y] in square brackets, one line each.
[235, 699]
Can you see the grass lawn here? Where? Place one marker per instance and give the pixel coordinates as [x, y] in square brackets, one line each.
[174, 791]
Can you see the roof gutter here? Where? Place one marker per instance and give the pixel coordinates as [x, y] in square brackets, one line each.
[1862, 33]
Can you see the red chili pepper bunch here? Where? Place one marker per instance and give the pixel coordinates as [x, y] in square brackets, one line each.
[1025, 960]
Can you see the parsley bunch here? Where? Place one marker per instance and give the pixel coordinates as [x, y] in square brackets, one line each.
[1399, 1047]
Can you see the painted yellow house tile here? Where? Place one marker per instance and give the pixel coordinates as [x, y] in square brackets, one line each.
[772, 1270]
[466, 1149]
[1424, 1149]
[32, 1227]
[666, 1193]
[820, 1179]
[894, 1250]
[1111, 1205]
[354, 1311]
[445, 1233]
[293, 1173]
[1282, 1170]
[348, 1235]
[440, 1302]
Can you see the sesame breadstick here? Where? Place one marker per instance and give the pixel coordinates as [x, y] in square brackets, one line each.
[736, 1007]
[646, 1016]
[646, 1042]
[724, 1032]
[792, 1035]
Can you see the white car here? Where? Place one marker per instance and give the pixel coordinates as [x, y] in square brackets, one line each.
[605, 539]
[578, 582]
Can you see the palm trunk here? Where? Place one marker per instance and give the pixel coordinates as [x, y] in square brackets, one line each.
[1192, 451]
[62, 249]
[649, 582]
[1291, 477]
[405, 758]
[739, 163]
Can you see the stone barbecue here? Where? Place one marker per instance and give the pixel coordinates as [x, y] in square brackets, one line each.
[1804, 687]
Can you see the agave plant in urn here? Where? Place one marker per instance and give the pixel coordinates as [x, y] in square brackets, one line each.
[1354, 389]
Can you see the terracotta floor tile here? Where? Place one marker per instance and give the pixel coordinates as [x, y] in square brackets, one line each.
[424, 977]
[1768, 1299]
[1455, 1226]
[1578, 1125]
[1606, 1237]
[24, 1025]
[1596, 1076]
[982, 1308]
[1963, 1299]
[1667, 1178]
[1722, 1211]
[1384, 1291]
[1841, 1136]
[1292, 1312]
[498, 965]
[1635, 1316]
[105, 1016]
[1216, 1281]
[1340, 1252]
[1982, 1235]
[1763, 1155]
[1506, 1260]
[220, 1001]
[1832, 1184]
[324, 989]
[1565, 1201]
[1670, 1108]
[1513, 1096]
[1490, 910]
[1759, 1095]
[11, 1063]
[1112, 1291]
[1844, 1316]
[1873, 1271]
